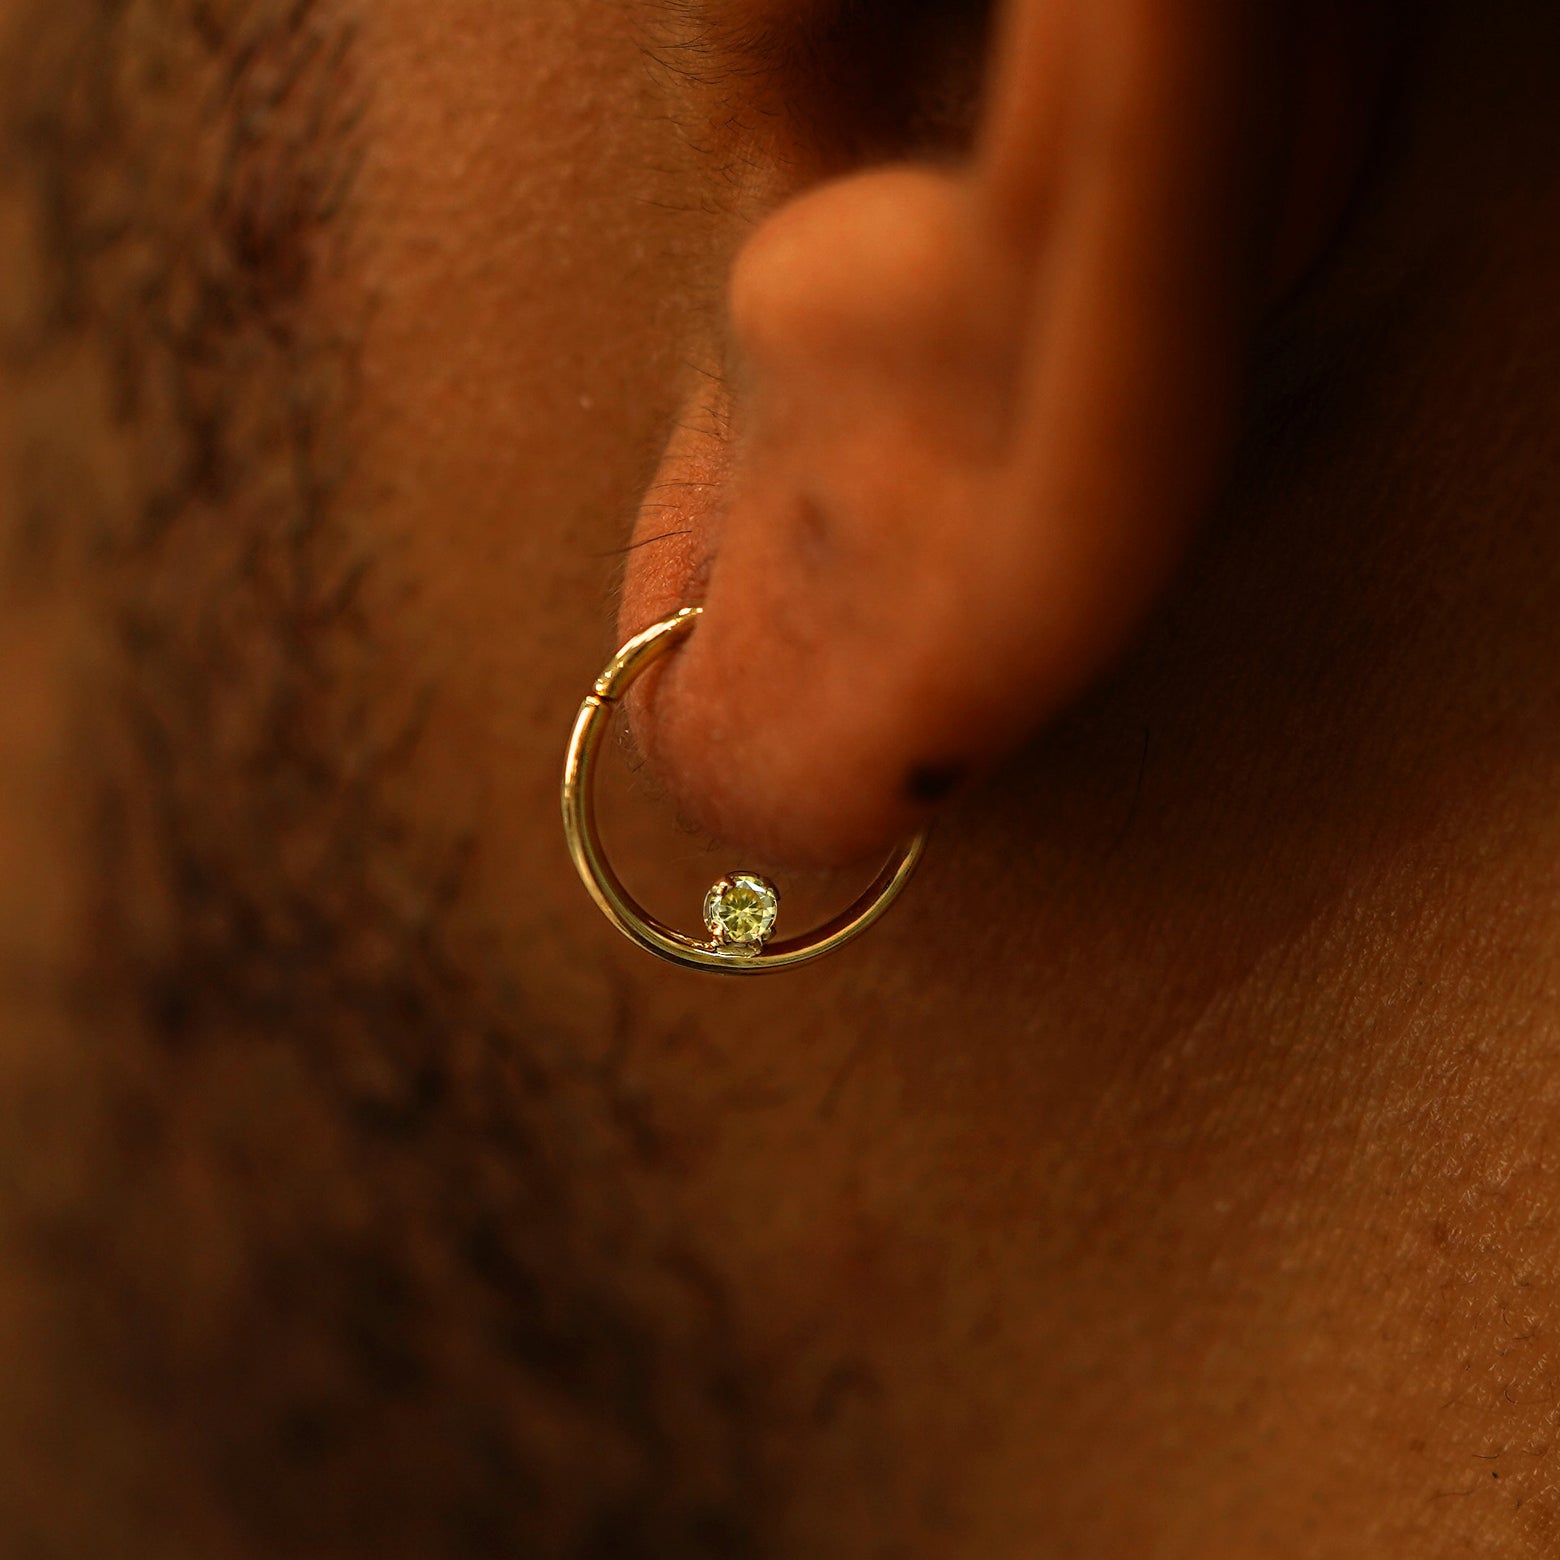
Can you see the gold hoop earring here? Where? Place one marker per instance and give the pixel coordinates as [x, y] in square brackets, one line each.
[741, 910]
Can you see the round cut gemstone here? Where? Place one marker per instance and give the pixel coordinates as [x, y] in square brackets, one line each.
[740, 910]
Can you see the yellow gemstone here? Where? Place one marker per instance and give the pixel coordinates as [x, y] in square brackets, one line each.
[740, 911]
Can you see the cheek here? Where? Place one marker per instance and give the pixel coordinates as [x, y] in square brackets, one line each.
[520, 264]
[535, 256]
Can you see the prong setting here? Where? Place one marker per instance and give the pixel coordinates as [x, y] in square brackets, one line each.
[740, 912]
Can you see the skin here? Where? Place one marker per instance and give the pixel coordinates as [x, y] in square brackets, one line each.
[1173, 1174]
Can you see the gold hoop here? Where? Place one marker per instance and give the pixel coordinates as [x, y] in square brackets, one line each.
[740, 910]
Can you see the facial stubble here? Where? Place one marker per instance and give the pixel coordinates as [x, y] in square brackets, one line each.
[388, 1267]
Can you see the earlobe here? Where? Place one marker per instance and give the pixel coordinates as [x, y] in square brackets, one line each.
[977, 415]
[876, 376]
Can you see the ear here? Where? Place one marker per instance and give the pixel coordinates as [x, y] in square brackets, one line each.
[975, 419]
